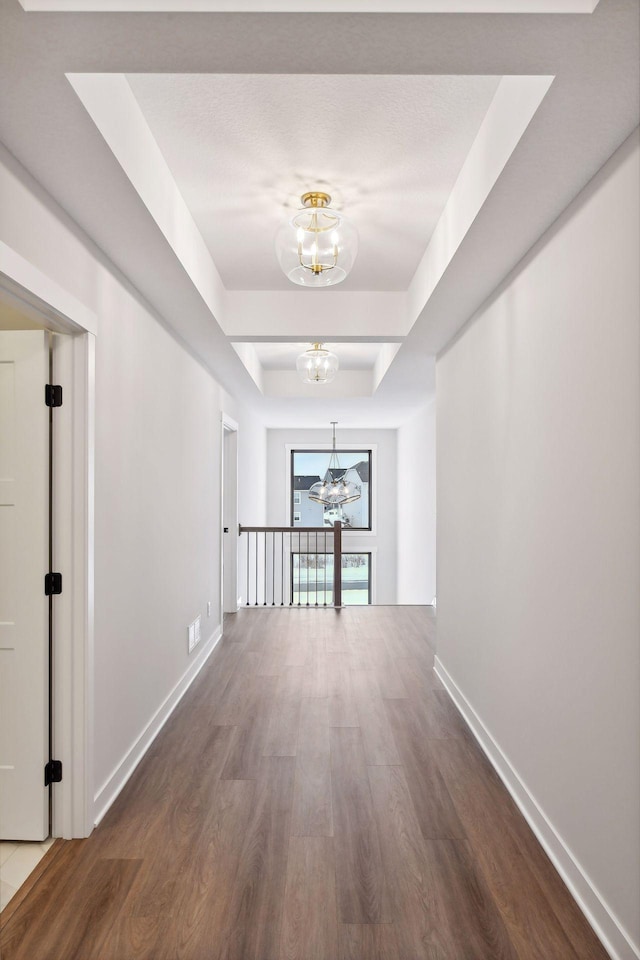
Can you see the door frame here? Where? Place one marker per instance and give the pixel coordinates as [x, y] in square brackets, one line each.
[228, 516]
[46, 303]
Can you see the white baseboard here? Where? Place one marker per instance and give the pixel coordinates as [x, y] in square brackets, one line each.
[109, 791]
[607, 927]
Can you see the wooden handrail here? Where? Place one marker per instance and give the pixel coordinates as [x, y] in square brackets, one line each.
[329, 530]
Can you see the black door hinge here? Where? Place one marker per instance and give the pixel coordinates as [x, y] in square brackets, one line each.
[53, 394]
[53, 772]
[52, 584]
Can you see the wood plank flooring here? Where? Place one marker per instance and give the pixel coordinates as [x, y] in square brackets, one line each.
[315, 796]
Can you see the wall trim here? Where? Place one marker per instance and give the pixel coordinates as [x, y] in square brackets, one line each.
[54, 306]
[607, 927]
[73, 654]
[113, 786]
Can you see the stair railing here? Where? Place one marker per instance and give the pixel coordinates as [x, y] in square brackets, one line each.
[281, 564]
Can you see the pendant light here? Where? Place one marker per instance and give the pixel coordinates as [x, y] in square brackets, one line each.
[335, 489]
[317, 365]
[318, 246]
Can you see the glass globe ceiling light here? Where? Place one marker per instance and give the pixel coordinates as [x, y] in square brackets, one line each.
[318, 246]
[317, 365]
[335, 489]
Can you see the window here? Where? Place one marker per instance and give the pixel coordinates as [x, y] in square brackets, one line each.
[310, 466]
[312, 578]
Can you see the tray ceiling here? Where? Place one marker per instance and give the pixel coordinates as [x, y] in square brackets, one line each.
[242, 150]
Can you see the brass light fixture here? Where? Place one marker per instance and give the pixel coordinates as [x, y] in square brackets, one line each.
[318, 246]
[317, 365]
[335, 489]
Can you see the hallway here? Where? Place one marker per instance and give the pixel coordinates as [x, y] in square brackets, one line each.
[314, 795]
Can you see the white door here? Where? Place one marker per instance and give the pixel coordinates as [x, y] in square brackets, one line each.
[229, 518]
[24, 552]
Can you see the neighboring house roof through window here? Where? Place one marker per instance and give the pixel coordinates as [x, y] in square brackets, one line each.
[304, 483]
[362, 468]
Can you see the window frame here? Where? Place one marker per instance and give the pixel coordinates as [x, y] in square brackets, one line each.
[340, 449]
[345, 553]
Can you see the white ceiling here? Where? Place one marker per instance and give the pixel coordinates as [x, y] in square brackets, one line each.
[589, 109]
[351, 356]
[327, 6]
[243, 149]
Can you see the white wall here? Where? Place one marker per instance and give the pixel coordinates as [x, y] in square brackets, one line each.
[157, 519]
[538, 431]
[383, 541]
[157, 485]
[252, 469]
[417, 507]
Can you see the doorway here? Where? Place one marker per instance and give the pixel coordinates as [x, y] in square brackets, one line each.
[30, 303]
[229, 516]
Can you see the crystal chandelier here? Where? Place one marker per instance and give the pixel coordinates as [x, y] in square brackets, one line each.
[317, 365]
[335, 489]
[318, 246]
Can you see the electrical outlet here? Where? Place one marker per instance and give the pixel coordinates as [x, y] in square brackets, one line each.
[193, 634]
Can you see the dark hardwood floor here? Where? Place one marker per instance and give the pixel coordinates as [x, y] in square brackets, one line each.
[315, 796]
